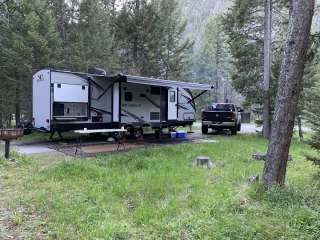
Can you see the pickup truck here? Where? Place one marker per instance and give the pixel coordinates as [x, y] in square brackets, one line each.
[221, 116]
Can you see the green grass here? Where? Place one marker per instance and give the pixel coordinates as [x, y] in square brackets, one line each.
[158, 194]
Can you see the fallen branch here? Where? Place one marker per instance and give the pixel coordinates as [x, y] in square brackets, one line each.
[263, 157]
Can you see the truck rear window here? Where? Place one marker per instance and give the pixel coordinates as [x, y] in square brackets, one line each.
[221, 107]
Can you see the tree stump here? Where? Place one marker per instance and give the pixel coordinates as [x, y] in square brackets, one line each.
[203, 162]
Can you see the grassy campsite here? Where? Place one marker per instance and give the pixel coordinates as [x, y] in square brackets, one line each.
[159, 119]
[157, 193]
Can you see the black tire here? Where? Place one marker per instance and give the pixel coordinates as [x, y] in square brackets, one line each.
[27, 131]
[130, 132]
[204, 129]
[234, 131]
[138, 133]
[239, 127]
[134, 132]
[157, 134]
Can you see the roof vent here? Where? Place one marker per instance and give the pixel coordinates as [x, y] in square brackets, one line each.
[97, 71]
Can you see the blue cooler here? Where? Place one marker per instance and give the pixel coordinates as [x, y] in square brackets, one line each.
[181, 134]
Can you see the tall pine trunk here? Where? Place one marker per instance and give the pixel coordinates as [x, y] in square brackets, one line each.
[61, 24]
[18, 104]
[290, 87]
[267, 67]
[300, 128]
[1, 120]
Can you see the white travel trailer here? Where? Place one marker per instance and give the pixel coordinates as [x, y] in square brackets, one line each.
[64, 101]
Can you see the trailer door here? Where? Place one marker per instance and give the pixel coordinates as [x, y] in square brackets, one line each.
[172, 104]
[116, 111]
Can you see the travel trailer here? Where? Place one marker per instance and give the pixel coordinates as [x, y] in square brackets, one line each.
[64, 101]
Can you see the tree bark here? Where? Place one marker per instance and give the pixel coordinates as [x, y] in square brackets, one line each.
[300, 128]
[1, 120]
[267, 68]
[290, 87]
[18, 104]
[61, 26]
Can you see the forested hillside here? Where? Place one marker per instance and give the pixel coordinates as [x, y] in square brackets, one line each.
[197, 14]
[210, 59]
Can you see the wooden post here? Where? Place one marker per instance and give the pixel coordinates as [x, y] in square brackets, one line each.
[7, 149]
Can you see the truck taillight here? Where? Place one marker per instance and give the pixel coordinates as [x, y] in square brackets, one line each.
[232, 115]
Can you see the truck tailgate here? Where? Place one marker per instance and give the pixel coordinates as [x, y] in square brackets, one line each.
[218, 116]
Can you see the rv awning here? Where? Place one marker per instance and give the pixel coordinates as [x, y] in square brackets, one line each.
[146, 81]
[165, 83]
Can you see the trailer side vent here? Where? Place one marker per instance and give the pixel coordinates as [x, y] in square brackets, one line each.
[154, 116]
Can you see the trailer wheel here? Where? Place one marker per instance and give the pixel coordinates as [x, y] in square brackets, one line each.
[27, 131]
[157, 134]
[130, 133]
[205, 129]
[138, 133]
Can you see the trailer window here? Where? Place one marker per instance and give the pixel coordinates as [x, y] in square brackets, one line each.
[128, 96]
[172, 96]
[154, 116]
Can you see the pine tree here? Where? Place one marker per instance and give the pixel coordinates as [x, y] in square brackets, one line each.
[243, 25]
[149, 37]
[93, 44]
[290, 87]
[133, 28]
[312, 113]
[213, 62]
[7, 82]
[30, 42]
[174, 52]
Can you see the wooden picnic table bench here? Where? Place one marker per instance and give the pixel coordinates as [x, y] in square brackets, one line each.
[119, 138]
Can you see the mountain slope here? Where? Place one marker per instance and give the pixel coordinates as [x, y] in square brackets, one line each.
[197, 13]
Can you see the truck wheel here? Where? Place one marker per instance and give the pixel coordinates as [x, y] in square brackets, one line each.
[204, 129]
[234, 131]
[239, 127]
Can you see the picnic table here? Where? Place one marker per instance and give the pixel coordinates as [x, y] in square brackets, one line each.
[120, 138]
